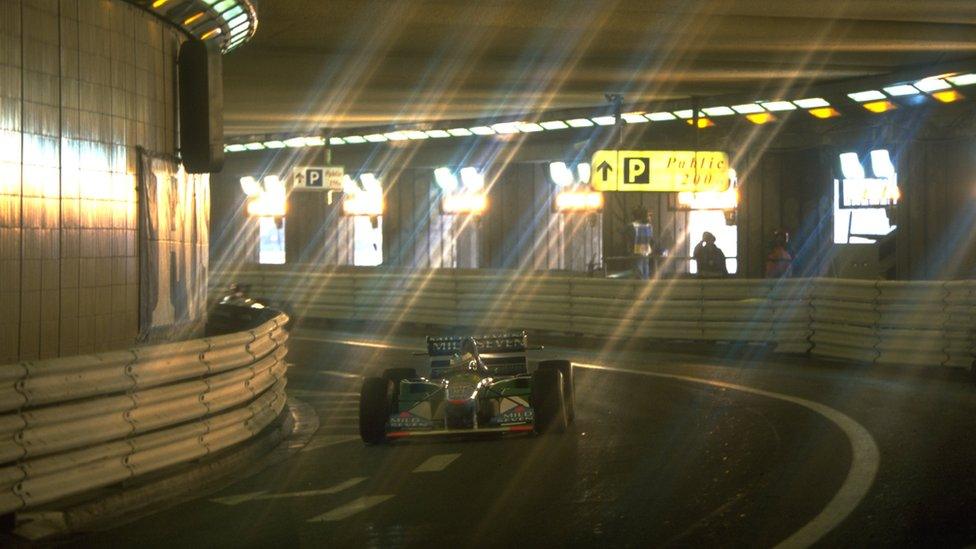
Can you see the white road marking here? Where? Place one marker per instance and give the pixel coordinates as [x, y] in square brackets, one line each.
[356, 506]
[263, 495]
[345, 375]
[332, 395]
[865, 456]
[436, 463]
[324, 441]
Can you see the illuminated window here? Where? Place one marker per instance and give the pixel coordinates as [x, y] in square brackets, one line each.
[726, 237]
[861, 198]
[367, 248]
[271, 240]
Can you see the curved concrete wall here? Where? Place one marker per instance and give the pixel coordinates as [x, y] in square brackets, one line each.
[83, 83]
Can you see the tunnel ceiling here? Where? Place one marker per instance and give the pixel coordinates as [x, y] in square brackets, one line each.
[348, 63]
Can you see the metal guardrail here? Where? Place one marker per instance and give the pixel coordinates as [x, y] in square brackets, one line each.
[922, 323]
[71, 425]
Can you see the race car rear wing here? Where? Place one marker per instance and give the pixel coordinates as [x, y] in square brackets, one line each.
[503, 354]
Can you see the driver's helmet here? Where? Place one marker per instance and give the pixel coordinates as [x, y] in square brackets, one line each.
[468, 358]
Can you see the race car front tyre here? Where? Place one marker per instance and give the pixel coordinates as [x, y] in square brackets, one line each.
[548, 401]
[397, 374]
[375, 403]
[569, 389]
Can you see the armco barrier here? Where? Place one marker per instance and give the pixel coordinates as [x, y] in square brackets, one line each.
[923, 323]
[70, 425]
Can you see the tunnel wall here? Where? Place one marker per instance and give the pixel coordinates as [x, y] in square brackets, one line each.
[785, 170]
[84, 84]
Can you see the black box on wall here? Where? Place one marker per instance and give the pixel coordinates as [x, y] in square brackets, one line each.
[201, 107]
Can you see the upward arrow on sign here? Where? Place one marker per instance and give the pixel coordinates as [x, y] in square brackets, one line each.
[604, 168]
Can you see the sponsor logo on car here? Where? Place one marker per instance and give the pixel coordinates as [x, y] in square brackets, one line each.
[517, 414]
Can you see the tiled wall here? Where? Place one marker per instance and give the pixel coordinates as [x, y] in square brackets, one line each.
[83, 83]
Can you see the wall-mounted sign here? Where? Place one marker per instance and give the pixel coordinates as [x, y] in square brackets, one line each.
[318, 177]
[660, 171]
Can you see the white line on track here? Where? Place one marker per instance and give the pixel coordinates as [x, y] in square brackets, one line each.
[339, 374]
[258, 496]
[436, 463]
[324, 441]
[345, 511]
[865, 456]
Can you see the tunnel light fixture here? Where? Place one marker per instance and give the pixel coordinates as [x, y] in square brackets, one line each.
[812, 103]
[901, 90]
[947, 96]
[159, 3]
[375, 138]
[482, 130]
[464, 203]
[416, 134]
[879, 107]
[446, 180]
[354, 139]
[761, 118]
[396, 136]
[554, 125]
[362, 204]
[250, 186]
[192, 19]
[529, 127]
[881, 164]
[580, 123]
[506, 128]
[824, 112]
[962, 79]
[560, 174]
[702, 122]
[438, 134]
[336, 141]
[850, 166]
[295, 142]
[684, 114]
[578, 201]
[634, 118]
[236, 147]
[604, 120]
[316, 141]
[459, 132]
[718, 111]
[472, 179]
[709, 200]
[869, 95]
[929, 85]
[256, 146]
[660, 116]
[275, 144]
[748, 108]
[583, 171]
[776, 106]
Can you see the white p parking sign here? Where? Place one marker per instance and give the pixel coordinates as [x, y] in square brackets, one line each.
[313, 177]
[318, 177]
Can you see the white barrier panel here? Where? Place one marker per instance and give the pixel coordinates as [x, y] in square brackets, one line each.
[923, 323]
[74, 424]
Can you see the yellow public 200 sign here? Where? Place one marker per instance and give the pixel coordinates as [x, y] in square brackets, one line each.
[660, 171]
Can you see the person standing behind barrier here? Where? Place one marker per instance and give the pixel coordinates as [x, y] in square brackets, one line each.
[779, 261]
[643, 238]
[709, 257]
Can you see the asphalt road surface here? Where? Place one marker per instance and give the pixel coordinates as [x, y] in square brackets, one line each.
[667, 450]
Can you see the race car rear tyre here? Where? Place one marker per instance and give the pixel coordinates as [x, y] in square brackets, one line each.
[375, 403]
[548, 401]
[569, 389]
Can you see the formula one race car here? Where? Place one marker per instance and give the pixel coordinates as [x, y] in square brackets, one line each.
[475, 385]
